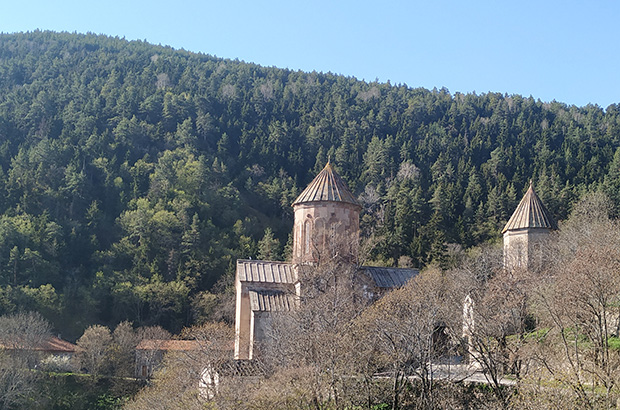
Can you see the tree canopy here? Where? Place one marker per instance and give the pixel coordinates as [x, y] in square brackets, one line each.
[133, 175]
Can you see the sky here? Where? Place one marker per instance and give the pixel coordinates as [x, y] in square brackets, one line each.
[567, 51]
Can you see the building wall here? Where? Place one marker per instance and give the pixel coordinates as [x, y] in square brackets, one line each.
[321, 228]
[523, 248]
[250, 326]
[147, 362]
[242, 321]
[261, 328]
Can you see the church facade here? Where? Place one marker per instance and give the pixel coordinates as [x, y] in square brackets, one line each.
[325, 210]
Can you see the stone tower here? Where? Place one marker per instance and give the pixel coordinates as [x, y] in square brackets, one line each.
[326, 220]
[528, 227]
[326, 225]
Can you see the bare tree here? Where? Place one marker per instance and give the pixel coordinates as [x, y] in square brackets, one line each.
[172, 388]
[122, 349]
[21, 335]
[578, 306]
[412, 328]
[153, 333]
[190, 379]
[312, 335]
[121, 352]
[496, 313]
[93, 349]
[151, 357]
[496, 341]
[329, 295]
[24, 332]
[212, 359]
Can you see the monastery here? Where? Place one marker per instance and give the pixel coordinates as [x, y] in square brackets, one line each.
[326, 209]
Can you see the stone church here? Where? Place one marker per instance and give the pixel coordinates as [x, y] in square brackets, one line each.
[324, 210]
[327, 208]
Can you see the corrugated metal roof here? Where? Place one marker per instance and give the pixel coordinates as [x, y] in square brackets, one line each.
[271, 301]
[531, 213]
[389, 277]
[327, 186]
[265, 271]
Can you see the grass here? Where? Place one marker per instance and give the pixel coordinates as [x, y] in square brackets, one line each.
[613, 343]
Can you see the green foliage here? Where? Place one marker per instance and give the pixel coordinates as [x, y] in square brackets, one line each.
[613, 343]
[73, 391]
[132, 175]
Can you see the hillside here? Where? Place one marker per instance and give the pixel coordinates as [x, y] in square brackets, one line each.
[133, 175]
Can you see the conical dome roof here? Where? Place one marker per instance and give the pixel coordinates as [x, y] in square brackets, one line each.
[531, 213]
[327, 186]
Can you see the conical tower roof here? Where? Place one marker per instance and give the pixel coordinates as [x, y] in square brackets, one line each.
[327, 186]
[531, 213]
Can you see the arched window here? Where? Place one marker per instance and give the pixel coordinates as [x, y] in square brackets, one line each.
[307, 234]
[299, 233]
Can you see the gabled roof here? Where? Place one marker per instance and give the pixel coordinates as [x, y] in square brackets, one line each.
[389, 277]
[52, 344]
[271, 301]
[531, 213]
[57, 345]
[271, 272]
[249, 270]
[327, 186]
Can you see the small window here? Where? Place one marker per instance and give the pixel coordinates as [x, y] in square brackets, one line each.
[144, 371]
[307, 233]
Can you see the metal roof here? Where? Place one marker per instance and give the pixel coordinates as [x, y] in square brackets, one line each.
[265, 271]
[271, 301]
[389, 277]
[531, 213]
[327, 186]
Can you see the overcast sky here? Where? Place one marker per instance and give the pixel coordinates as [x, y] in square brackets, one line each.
[568, 51]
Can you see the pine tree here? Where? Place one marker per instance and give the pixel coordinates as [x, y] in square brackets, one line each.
[269, 246]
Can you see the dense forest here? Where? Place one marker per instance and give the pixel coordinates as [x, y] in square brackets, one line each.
[132, 176]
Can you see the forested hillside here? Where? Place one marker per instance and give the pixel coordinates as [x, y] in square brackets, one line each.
[133, 175]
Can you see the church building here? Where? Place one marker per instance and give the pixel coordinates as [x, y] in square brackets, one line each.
[326, 209]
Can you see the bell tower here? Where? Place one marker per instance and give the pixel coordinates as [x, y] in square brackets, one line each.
[326, 220]
[527, 228]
